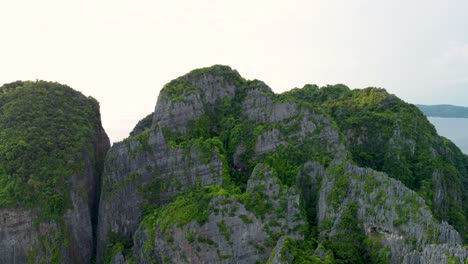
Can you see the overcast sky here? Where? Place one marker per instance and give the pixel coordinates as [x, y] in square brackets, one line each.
[122, 52]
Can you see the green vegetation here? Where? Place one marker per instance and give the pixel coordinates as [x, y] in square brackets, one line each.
[224, 230]
[225, 121]
[379, 130]
[178, 90]
[117, 244]
[229, 75]
[46, 130]
[346, 244]
[389, 135]
[195, 206]
[246, 219]
[450, 111]
[303, 252]
[142, 125]
[185, 208]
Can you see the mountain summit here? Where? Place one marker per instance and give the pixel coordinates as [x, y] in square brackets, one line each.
[228, 171]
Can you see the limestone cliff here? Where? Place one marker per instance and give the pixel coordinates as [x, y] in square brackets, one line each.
[180, 188]
[230, 229]
[358, 205]
[52, 151]
[389, 135]
[226, 171]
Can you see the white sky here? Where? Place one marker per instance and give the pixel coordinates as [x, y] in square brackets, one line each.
[122, 52]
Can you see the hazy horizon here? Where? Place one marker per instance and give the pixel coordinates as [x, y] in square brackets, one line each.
[123, 52]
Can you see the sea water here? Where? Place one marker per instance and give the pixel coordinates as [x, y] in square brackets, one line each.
[455, 129]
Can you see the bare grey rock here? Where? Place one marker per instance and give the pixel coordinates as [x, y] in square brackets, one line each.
[24, 238]
[232, 233]
[17, 235]
[290, 122]
[207, 91]
[437, 254]
[388, 211]
[176, 115]
[152, 167]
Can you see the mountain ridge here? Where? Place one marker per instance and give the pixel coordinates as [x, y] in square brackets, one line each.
[444, 110]
[226, 171]
[244, 123]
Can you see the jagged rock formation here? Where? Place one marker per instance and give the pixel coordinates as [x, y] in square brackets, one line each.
[51, 156]
[150, 171]
[394, 219]
[237, 229]
[186, 113]
[386, 134]
[175, 191]
[434, 254]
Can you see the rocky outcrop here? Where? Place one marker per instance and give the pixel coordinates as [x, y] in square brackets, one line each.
[189, 97]
[155, 165]
[435, 254]
[53, 216]
[147, 170]
[17, 235]
[24, 238]
[290, 123]
[389, 135]
[396, 222]
[233, 232]
[181, 187]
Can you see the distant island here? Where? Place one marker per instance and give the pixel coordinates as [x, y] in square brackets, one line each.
[450, 111]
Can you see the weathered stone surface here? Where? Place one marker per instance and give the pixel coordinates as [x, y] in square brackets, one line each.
[436, 254]
[208, 91]
[176, 115]
[17, 235]
[299, 124]
[152, 167]
[135, 168]
[150, 164]
[387, 210]
[23, 238]
[232, 234]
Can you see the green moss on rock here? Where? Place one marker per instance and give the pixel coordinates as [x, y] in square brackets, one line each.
[45, 131]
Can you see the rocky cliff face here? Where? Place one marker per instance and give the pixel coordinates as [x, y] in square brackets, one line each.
[148, 171]
[189, 110]
[53, 148]
[234, 230]
[389, 135]
[187, 188]
[393, 219]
